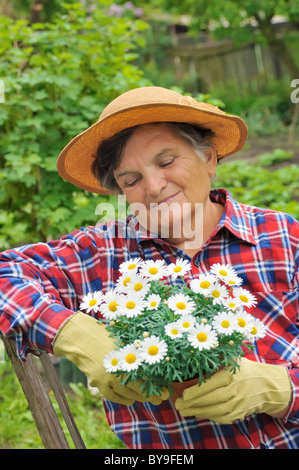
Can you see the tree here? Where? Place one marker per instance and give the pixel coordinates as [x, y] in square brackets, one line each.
[57, 79]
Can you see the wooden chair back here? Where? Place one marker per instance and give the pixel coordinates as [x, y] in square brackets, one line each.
[37, 394]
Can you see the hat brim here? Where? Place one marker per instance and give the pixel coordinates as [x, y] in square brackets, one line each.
[75, 161]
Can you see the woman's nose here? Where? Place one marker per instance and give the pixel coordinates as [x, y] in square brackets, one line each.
[154, 184]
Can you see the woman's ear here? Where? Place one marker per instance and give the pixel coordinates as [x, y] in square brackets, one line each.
[212, 160]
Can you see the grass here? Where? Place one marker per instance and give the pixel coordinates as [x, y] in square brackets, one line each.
[17, 427]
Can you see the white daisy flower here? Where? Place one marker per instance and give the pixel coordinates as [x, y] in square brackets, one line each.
[224, 272]
[232, 303]
[91, 301]
[258, 330]
[202, 336]
[131, 266]
[225, 323]
[245, 322]
[234, 281]
[203, 284]
[218, 293]
[153, 301]
[131, 305]
[138, 284]
[122, 282]
[154, 270]
[112, 361]
[185, 322]
[110, 305]
[129, 358]
[247, 299]
[181, 304]
[153, 350]
[179, 268]
[173, 330]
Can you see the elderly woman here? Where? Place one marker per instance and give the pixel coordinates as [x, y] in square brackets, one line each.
[160, 149]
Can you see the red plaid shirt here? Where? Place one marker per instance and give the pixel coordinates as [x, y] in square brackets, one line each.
[42, 284]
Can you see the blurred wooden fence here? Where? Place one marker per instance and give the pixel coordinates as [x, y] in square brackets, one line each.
[205, 63]
[213, 63]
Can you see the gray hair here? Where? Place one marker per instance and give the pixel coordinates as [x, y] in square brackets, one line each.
[110, 151]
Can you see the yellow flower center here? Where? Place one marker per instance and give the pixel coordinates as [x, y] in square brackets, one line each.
[153, 350]
[92, 302]
[153, 303]
[114, 362]
[231, 304]
[181, 305]
[126, 280]
[254, 331]
[153, 270]
[132, 266]
[241, 322]
[205, 284]
[130, 304]
[174, 331]
[202, 337]
[225, 324]
[222, 272]
[138, 286]
[216, 293]
[186, 324]
[177, 269]
[243, 298]
[113, 306]
[130, 358]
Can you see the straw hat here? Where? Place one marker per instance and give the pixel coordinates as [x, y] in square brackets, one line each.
[142, 106]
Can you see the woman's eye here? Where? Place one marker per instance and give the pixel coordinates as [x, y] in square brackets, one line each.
[166, 163]
[132, 183]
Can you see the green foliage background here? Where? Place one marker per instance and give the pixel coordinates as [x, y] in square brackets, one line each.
[270, 181]
[17, 426]
[58, 77]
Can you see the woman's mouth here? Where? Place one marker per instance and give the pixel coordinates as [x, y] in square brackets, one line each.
[166, 200]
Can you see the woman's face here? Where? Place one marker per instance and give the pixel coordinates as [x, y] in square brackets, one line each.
[163, 176]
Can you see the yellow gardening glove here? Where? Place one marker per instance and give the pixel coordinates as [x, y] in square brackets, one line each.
[85, 342]
[255, 388]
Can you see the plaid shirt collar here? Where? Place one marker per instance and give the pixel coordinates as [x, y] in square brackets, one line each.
[235, 218]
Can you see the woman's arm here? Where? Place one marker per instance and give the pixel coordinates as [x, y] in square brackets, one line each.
[41, 286]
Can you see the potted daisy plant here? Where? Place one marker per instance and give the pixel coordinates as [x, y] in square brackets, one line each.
[168, 332]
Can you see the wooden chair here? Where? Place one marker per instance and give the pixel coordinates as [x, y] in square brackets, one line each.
[36, 392]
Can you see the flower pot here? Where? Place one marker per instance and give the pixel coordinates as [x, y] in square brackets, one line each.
[179, 387]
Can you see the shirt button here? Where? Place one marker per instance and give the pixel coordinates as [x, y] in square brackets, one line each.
[197, 262]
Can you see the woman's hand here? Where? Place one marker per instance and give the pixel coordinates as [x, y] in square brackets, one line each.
[225, 397]
[85, 342]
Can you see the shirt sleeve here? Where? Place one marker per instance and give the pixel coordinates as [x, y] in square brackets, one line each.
[293, 413]
[41, 285]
